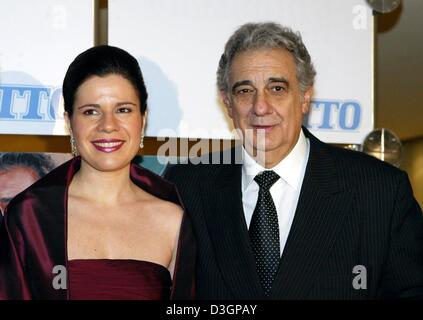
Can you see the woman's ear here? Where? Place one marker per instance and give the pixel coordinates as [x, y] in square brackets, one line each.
[144, 122]
[68, 122]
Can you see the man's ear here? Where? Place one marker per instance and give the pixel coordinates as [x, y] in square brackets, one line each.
[226, 101]
[305, 104]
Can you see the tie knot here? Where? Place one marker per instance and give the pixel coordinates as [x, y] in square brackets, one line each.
[266, 179]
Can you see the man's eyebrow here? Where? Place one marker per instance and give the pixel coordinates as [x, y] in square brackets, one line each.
[240, 83]
[271, 80]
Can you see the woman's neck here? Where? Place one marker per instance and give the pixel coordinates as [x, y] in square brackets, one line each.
[104, 187]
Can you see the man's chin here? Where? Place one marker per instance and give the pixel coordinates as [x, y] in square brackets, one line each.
[254, 149]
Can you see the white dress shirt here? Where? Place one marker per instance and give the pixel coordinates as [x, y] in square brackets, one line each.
[285, 192]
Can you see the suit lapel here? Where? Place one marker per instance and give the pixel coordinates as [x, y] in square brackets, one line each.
[322, 206]
[228, 231]
[320, 211]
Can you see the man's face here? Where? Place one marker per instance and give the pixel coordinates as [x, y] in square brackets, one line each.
[264, 96]
[13, 181]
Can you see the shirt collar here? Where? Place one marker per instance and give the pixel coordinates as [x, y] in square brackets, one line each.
[290, 169]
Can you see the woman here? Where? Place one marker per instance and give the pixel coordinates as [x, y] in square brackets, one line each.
[99, 227]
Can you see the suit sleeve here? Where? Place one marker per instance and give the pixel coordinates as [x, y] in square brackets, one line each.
[13, 282]
[403, 273]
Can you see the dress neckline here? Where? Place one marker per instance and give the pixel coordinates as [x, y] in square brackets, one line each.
[160, 266]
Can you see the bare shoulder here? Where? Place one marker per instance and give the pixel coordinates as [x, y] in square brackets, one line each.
[169, 216]
[169, 210]
[169, 213]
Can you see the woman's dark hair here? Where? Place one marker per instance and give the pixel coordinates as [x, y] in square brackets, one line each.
[102, 61]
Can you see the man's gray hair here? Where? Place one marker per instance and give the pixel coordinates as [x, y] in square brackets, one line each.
[39, 162]
[269, 35]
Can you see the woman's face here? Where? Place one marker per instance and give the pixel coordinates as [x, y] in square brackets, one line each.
[106, 122]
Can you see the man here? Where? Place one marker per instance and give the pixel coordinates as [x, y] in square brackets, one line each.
[298, 219]
[18, 171]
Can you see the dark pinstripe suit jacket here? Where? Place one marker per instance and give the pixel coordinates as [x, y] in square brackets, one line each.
[353, 210]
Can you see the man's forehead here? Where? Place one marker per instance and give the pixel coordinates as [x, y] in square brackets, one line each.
[269, 63]
[17, 169]
[261, 55]
[261, 76]
[17, 175]
[15, 180]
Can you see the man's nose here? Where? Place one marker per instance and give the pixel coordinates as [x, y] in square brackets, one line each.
[261, 104]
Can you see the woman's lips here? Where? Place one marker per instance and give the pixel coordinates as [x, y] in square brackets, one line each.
[108, 145]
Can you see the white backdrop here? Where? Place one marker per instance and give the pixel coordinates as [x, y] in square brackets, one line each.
[39, 39]
[179, 43]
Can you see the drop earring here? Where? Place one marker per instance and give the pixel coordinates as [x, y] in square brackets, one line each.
[142, 141]
[73, 147]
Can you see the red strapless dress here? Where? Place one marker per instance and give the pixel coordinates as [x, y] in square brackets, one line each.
[105, 279]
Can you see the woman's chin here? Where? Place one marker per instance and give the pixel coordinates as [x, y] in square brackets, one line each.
[108, 165]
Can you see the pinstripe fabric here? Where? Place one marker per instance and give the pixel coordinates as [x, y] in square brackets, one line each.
[353, 210]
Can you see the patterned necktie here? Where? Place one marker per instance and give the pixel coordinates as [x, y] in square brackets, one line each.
[264, 231]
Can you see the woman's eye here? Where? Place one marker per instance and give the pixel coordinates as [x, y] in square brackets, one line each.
[124, 110]
[89, 112]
